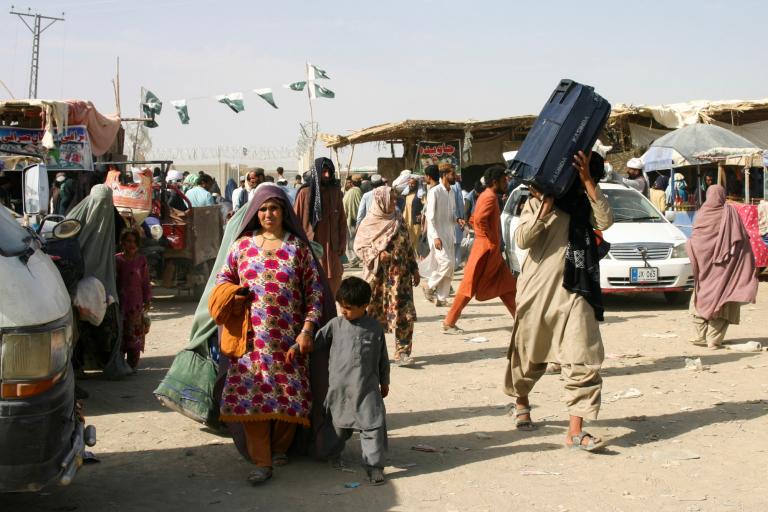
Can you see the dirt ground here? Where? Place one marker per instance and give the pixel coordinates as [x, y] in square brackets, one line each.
[691, 441]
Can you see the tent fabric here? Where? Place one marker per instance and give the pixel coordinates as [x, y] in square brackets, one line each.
[680, 147]
[756, 133]
[102, 129]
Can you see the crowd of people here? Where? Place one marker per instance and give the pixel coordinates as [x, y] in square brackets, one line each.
[274, 292]
[295, 376]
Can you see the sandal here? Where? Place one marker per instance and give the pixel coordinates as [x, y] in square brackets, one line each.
[520, 424]
[279, 459]
[375, 476]
[259, 476]
[714, 346]
[591, 446]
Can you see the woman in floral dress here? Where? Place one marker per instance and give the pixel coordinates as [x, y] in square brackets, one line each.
[267, 389]
[389, 266]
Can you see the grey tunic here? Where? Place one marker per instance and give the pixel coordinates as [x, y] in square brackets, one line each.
[358, 364]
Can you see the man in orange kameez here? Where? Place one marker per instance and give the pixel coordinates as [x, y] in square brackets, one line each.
[320, 209]
[486, 276]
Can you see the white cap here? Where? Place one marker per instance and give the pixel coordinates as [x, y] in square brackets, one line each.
[174, 175]
[402, 180]
[635, 163]
[601, 149]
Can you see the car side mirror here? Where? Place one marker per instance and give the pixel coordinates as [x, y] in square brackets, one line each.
[36, 193]
[669, 215]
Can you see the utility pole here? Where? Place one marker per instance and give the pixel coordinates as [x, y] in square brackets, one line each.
[36, 30]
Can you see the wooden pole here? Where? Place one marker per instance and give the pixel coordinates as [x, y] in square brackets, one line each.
[313, 133]
[349, 162]
[117, 89]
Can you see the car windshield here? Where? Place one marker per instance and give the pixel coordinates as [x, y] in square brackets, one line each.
[630, 206]
[14, 239]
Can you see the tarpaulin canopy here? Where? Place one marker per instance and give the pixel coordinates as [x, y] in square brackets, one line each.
[686, 146]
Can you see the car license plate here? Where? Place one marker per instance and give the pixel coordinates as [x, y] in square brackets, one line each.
[643, 275]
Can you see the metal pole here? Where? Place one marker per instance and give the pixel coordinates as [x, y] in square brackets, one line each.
[36, 30]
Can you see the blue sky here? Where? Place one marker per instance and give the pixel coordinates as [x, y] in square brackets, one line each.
[387, 60]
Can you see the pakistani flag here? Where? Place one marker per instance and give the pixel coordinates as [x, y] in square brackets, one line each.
[266, 95]
[296, 86]
[322, 92]
[181, 109]
[150, 106]
[233, 100]
[319, 73]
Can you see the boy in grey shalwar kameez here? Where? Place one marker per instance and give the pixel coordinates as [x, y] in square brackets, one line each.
[358, 371]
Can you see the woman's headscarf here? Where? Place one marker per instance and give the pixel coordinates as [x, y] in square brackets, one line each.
[377, 230]
[661, 182]
[721, 256]
[96, 213]
[250, 222]
[313, 182]
[581, 274]
[190, 181]
[229, 189]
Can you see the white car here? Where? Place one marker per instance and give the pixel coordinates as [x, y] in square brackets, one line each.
[647, 252]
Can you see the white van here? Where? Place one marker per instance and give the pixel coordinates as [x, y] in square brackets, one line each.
[647, 252]
[41, 437]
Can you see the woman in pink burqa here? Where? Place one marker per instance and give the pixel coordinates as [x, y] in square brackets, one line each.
[723, 269]
[135, 292]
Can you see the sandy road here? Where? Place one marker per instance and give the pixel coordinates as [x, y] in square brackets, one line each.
[692, 440]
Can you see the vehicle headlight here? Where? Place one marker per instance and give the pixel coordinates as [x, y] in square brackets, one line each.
[34, 355]
[679, 251]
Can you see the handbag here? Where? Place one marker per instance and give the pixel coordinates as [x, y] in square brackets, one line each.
[188, 387]
[422, 247]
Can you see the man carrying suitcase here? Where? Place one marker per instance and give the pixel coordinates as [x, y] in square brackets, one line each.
[559, 300]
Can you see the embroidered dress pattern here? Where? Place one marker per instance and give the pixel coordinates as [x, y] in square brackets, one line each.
[286, 291]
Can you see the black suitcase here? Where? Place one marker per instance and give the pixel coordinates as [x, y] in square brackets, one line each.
[570, 122]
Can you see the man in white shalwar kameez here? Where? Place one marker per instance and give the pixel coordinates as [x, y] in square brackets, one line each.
[440, 218]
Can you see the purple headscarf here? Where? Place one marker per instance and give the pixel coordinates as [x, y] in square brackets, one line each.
[250, 222]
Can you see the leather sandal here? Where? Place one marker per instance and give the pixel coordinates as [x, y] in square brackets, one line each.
[520, 424]
[259, 476]
[591, 446]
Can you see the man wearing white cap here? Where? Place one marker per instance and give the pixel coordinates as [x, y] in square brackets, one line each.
[636, 179]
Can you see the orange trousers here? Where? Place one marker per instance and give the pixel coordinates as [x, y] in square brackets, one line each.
[264, 438]
[461, 301]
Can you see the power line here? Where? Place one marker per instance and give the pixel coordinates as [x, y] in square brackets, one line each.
[36, 30]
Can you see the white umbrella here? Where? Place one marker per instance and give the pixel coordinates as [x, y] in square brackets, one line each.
[686, 146]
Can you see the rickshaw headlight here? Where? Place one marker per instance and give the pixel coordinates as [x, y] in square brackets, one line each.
[36, 355]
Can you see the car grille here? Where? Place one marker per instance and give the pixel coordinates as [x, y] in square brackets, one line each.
[624, 281]
[654, 251]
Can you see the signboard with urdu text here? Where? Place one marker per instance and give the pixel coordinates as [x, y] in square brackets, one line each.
[71, 152]
[438, 153]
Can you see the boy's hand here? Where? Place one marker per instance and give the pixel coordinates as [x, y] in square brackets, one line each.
[384, 390]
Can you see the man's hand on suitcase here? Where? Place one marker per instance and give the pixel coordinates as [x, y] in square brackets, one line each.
[581, 161]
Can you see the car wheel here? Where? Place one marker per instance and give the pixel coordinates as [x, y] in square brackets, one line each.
[677, 298]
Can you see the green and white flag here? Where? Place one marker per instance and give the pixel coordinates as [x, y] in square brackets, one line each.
[150, 106]
[319, 73]
[181, 110]
[296, 86]
[233, 100]
[322, 92]
[266, 95]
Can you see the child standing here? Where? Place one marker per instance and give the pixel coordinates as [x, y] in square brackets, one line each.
[135, 293]
[358, 371]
